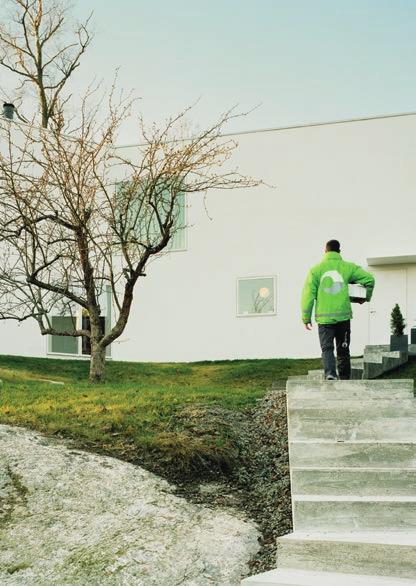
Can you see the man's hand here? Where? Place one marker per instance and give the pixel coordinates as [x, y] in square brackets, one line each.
[308, 326]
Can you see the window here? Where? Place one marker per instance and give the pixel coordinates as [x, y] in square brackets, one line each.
[256, 296]
[178, 240]
[80, 345]
[140, 219]
[63, 344]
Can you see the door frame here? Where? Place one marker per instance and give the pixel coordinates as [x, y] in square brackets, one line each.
[390, 268]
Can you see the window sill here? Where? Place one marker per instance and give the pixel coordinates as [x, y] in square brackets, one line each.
[176, 250]
[77, 356]
[269, 314]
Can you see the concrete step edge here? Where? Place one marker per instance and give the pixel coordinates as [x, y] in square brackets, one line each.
[352, 498]
[370, 397]
[405, 538]
[289, 577]
[353, 383]
[377, 382]
[357, 469]
[327, 390]
[353, 442]
[383, 402]
[350, 384]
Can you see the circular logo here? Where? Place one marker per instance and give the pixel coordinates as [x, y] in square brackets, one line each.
[332, 282]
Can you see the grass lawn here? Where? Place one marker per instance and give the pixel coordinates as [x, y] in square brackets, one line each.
[186, 422]
[148, 413]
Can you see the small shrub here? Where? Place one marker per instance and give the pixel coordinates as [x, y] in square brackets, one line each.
[397, 322]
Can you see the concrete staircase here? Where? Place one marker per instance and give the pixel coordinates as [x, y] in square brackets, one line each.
[352, 448]
[376, 361]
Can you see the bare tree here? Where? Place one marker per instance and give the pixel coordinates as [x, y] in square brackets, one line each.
[35, 47]
[77, 218]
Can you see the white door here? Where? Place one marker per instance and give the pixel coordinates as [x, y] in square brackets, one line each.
[390, 289]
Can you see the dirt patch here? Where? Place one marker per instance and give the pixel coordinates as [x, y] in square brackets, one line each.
[255, 480]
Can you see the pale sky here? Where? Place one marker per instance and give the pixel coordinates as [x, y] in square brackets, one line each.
[299, 60]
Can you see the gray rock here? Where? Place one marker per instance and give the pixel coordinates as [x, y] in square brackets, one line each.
[72, 518]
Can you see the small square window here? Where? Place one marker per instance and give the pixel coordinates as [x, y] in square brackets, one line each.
[63, 344]
[256, 296]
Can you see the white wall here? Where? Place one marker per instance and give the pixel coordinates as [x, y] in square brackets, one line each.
[353, 181]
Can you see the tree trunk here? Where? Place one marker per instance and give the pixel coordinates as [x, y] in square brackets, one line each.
[97, 363]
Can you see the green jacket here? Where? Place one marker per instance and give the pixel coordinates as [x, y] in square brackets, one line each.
[327, 285]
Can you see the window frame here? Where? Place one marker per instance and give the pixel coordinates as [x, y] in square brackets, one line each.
[78, 323]
[168, 249]
[269, 313]
[50, 340]
[184, 229]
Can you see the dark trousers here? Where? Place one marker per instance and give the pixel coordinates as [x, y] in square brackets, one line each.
[341, 333]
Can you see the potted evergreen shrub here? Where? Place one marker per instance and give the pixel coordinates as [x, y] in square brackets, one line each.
[398, 340]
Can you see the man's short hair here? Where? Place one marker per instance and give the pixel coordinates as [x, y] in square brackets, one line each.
[333, 246]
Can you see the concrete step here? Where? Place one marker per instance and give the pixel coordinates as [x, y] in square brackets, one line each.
[291, 577]
[378, 353]
[348, 409]
[376, 361]
[379, 383]
[357, 372]
[374, 369]
[354, 513]
[352, 389]
[364, 553]
[379, 359]
[350, 481]
[316, 374]
[385, 420]
[371, 348]
[356, 454]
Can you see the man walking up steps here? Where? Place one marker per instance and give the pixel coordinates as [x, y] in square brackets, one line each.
[326, 288]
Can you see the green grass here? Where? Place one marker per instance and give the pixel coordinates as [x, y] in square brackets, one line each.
[157, 414]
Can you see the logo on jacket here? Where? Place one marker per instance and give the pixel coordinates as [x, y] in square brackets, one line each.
[337, 282]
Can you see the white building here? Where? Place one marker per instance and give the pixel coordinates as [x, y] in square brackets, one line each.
[232, 287]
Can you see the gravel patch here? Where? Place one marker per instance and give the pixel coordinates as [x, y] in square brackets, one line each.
[257, 481]
[263, 476]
